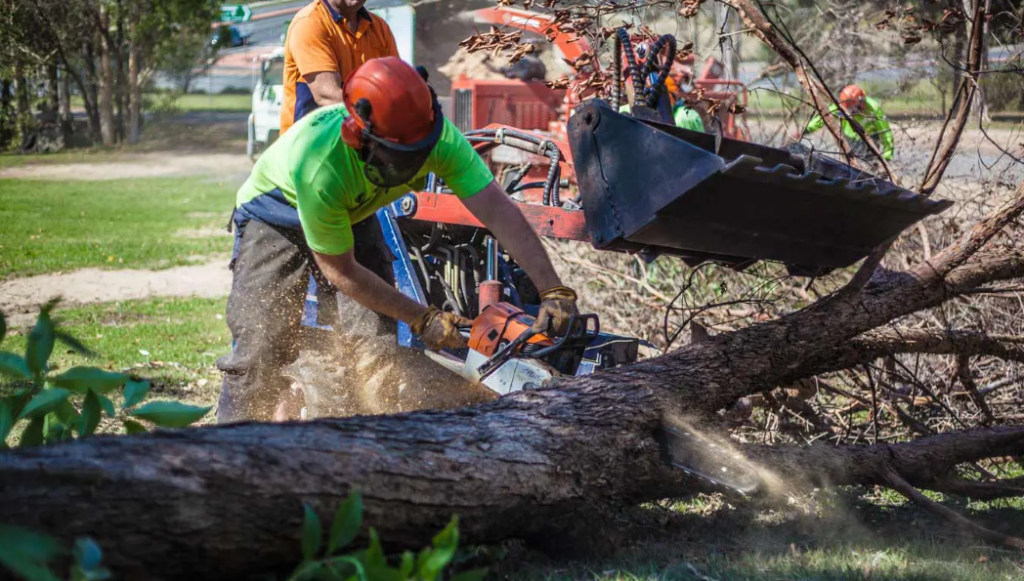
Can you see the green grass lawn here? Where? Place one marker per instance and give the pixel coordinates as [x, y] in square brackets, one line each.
[192, 102]
[131, 223]
[174, 341]
[853, 538]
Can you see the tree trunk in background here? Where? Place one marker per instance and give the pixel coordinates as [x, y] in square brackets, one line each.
[108, 133]
[6, 116]
[21, 103]
[134, 89]
[67, 120]
[91, 89]
[52, 88]
[121, 86]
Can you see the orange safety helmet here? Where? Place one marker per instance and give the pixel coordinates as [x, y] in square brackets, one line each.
[394, 119]
[852, 97]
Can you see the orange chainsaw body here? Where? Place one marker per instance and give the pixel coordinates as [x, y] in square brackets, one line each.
[500, 323]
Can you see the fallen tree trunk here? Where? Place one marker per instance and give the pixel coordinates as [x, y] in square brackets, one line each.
[178, 505]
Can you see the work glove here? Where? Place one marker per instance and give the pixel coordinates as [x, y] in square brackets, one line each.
[556, 306]
[440, 330]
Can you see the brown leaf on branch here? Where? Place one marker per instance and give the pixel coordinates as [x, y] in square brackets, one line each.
[497, 41]
[559, 83]
[911, 38]
[690, 8]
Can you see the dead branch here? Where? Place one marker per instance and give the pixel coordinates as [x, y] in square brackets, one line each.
[900, 485]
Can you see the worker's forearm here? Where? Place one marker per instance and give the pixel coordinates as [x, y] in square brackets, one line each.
[325, 87]
[503, 218]
[367, 289]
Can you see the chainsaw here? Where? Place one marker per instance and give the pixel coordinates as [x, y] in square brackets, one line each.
[506, 355]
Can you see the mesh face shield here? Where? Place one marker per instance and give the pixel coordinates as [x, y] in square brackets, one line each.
[388, 164]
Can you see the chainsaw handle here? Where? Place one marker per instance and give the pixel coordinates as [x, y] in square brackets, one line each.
[585, 319]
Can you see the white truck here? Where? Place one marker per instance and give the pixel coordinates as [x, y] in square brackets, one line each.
[264, 124]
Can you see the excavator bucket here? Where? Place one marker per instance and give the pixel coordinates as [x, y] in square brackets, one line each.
[650, 187]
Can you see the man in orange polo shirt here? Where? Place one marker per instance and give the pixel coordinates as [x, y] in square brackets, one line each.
[327, 40]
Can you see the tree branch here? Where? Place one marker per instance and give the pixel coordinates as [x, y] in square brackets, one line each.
[900, 485]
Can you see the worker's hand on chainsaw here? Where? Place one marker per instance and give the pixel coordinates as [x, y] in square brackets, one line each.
[556, 306]
[440, 330]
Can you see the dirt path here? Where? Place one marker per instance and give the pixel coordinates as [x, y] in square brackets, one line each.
[20, 297]
[138, 165]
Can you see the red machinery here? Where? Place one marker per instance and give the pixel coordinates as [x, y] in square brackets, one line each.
[532, 105]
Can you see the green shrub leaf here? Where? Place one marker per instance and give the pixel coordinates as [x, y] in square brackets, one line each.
[347, 521]
[134, 392]
[26, 553]
[133, 427]
[445, 543]
[14, 366]
[312, 534]
[91, 413]
[40, 343]
[3, 327]
[33, 434]
[106, 405]
[87, 554]
[170, 414]
[79, 379]
[44, 402]
[7, 412]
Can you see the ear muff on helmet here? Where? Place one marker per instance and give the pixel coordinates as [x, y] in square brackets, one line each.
[352, 130]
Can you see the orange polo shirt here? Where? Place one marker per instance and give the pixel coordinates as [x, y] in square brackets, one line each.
[319, 40]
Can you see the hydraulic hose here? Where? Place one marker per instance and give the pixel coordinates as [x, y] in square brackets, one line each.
[666, 42]
[634, 71]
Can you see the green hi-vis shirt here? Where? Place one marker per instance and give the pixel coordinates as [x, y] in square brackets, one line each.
[323, 178]
[873, 120]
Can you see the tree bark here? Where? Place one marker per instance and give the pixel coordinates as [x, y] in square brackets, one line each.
[67, 120]
[106, 82]
[134, 88]
[21, 104]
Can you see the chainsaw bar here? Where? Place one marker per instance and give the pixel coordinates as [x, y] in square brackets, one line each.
[703, 458]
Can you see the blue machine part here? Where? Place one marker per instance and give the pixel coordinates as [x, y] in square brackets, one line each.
[404, 271]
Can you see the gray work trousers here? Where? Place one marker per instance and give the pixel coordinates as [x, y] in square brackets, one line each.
[271, 273]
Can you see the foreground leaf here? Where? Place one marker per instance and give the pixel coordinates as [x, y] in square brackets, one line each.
[44, 402]
[91, 413]
[33, 434]
[88, 558]
[14, 366]
[445, 543]
[347, 521]
[106, 405]
[81, 378]
[134, 392]
[40, 343]
[312, 533]
[26, 553]
[3, 327]
[133, 427]
[7, 412]
[170, 414]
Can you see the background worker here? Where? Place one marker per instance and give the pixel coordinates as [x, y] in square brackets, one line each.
[308, 207]
[867, 112]
[326, 41]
